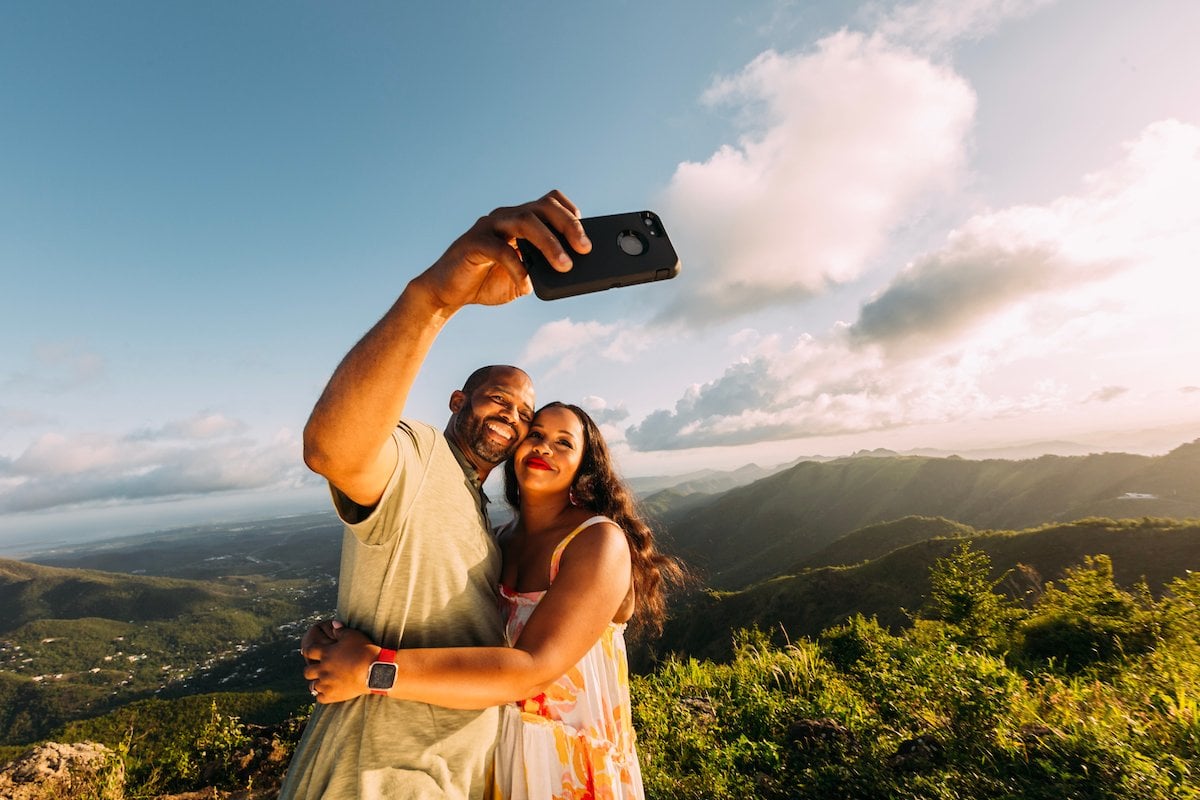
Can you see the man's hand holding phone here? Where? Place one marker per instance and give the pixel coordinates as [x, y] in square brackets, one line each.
[626, 249]
[482, 267]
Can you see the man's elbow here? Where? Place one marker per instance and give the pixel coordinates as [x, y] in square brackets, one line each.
[316, 456]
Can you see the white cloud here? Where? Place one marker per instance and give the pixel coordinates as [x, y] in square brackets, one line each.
[563, 339]
[1132, 232]
[825, 388]
[1087, 299]
[564, 344]
[602, 412]
[1107, 394]
[842, 144]
[58, 470]
[984, 268]
[206, 425]
[933, 24]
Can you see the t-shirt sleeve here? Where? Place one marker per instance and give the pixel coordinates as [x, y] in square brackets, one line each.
[414, 444]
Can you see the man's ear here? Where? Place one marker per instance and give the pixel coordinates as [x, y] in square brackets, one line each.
[457, 398]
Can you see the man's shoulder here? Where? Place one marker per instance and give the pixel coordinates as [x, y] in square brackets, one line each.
[420, 440]
[419, 431]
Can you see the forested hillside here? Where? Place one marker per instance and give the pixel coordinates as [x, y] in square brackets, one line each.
[1089, 694]
[895, 583]
[78, 642]
[753, 532]
[948, 628]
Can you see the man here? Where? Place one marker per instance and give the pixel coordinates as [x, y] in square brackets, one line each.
[419, 566]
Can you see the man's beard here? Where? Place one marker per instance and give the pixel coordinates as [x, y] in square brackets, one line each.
[472, 433]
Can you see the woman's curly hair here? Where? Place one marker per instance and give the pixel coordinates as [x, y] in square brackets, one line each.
[598, 488]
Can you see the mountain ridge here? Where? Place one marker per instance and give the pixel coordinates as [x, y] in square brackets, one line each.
[816, 598]
[748, 533]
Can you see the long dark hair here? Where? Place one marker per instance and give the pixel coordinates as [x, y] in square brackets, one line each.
[597, 487]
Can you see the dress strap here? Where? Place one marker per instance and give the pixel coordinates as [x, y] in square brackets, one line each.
[558, 551]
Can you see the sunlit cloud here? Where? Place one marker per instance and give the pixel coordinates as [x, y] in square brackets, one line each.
[602, 411]
[564, 344]
[934, 24]
[1124, 243]
[1104, 278]
[826, 388]
[986, 267]
[557, 343]
[201, 426]
[1107, 394]
[57, 470]
[840, 145]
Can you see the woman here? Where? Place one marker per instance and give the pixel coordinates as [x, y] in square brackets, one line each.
[579, 565]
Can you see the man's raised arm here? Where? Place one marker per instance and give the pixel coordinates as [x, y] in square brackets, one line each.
[346, 435]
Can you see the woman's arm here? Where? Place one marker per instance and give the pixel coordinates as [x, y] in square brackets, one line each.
[592, 582]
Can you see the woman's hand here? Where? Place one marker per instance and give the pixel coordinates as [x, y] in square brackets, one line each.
[338, 662]
[322, 633]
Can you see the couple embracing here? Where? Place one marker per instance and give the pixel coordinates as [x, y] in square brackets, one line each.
[467, 663]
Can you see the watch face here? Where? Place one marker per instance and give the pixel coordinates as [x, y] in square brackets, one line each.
[382, 676]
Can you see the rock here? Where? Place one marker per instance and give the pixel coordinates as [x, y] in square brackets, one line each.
[919, 751]
[64, 770]
[810, 733]
[701, 708]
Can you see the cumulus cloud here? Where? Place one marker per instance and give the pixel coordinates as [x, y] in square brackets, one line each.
[825, 388]
[934, 24]
[602, 411]
[1105, 276]
[561, 338]
[563, 343]
[58, 470]
[205, 425]
[840, 145]
[1107, 394]
[984, 268]
[1140, 218]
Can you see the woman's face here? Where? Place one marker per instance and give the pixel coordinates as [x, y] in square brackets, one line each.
[549, 457]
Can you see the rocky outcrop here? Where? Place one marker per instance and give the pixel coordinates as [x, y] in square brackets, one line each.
[52, 770]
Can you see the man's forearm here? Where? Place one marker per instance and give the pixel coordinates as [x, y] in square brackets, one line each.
[368, 391]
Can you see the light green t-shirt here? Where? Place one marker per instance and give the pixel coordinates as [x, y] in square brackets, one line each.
[421, 570]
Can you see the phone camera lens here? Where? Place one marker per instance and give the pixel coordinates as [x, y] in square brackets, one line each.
[631, 243]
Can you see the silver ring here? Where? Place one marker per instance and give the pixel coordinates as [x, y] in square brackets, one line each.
[312, 689]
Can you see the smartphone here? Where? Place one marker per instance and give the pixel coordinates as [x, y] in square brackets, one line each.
[627, 249]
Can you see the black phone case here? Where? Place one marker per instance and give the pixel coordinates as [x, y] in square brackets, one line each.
[608, 265]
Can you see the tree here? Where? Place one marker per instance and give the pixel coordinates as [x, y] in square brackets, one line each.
[1086, 619]
[963, 596]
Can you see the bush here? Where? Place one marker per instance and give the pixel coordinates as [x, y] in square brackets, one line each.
[1100, 702]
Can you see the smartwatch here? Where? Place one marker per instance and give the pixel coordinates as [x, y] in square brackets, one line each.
[382, 674]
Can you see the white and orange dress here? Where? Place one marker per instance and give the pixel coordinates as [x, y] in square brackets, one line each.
[574, 741]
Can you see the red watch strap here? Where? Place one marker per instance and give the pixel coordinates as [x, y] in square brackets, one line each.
[386, 656]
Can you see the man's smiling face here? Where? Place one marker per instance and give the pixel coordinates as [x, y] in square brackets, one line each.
[495, 416]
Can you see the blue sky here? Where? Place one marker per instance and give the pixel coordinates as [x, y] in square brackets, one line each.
[956, 225]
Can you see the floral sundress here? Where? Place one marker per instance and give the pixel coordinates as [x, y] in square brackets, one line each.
[574, 741]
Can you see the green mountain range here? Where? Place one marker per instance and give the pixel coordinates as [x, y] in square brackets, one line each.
[222, 607]
[891, 583]
[754, 532]
[77, 642]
